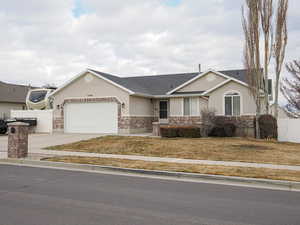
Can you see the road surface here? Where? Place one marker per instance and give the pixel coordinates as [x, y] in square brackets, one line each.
[35, 196]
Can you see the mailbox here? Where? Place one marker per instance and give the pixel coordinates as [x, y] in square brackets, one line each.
[17, 140]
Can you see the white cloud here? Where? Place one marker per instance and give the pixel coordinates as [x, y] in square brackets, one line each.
[43, 42]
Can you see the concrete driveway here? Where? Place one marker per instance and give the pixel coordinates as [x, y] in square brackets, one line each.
[39, 141]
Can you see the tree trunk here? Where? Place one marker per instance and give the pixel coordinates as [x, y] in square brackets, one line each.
[276, 98]
[257, 128]
[266, 86]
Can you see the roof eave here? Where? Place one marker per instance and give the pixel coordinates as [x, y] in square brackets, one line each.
[112, 82]
[166, 96]
[15, 102]
[203, 74]
[95, 74]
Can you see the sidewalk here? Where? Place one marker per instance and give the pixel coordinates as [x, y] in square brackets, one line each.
[50, 153]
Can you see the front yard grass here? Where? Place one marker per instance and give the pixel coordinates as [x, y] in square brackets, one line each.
[220, 149]
[188, 168]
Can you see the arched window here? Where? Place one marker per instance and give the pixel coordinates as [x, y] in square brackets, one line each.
[232, 104]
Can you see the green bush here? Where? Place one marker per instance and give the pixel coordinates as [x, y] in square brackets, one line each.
[267, 126]
[180, 131]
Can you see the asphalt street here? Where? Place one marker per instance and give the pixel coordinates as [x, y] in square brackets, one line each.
[35, 196]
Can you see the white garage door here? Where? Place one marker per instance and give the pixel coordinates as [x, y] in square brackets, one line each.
[91, 118]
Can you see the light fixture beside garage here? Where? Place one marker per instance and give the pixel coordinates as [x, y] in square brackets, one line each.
[123, 105]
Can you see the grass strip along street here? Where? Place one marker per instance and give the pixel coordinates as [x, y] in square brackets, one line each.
[248, 172]
[217, 149]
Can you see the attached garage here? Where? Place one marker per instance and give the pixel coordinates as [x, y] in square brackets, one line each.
[91, 117]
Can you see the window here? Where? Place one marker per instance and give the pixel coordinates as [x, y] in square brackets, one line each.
[191, 106]
[270, 89]
[270, 86]
[186, 106]
[163, 109]
[232, 104]
[37, 96]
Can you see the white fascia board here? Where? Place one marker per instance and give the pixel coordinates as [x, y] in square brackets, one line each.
[223, 83]
[229, 77]
[97, 75]
[110, 81]
[216, 87]
[178, 96]
[167, 96]
[68, 82]
[142, 95]
[188, 82]
[203, 74]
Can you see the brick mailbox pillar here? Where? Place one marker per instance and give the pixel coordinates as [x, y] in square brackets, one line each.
[17, 140]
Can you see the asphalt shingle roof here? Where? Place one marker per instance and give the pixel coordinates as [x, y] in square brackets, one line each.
[161, 84]
[13, 93]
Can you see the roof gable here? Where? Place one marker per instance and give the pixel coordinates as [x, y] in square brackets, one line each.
[203, 83]
[107, 77]
[155, 85]
[13, 93]
[222, 84]
[207, 72]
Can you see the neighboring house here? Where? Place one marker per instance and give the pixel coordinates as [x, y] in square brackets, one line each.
[12, 97]
[96, 102]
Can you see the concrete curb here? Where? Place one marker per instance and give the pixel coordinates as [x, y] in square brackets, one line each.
[227, 180]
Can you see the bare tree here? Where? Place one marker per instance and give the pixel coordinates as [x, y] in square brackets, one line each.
[280, 42]
[266, 15]
[290, 88]
[208, 117]
[251, 27]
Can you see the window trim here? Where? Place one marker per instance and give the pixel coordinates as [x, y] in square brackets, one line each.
[226, 94]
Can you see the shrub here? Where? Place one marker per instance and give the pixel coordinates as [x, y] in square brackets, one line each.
[229, 129]
[217, 131]
[180, 131]
[267, 126]
[208, 117]
[168, 132]
[189, 132]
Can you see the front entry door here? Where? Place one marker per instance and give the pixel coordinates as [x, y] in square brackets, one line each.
[163, 111]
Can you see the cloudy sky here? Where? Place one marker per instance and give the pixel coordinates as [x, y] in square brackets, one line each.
[49, 41]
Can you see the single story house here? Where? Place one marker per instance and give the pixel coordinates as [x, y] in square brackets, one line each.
[12, 97]
[96, 102]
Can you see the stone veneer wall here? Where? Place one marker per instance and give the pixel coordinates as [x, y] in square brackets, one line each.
[58, 123]
[245, 124]
[17, 140]
[135, 124]
[184, 120]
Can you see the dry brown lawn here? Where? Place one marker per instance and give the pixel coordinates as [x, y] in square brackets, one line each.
[188, 168]
[221, 149]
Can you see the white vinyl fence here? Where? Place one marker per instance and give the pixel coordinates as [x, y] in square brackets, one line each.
[44, 118]
[289, 130]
